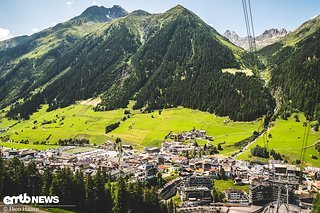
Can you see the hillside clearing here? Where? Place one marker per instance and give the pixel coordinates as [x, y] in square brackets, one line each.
[285, 137]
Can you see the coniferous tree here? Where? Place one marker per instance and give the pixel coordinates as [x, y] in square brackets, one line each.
[89, 194]
[170, 206]
[137, 199]
[46, 181]
[33, 179]
[316, 204]
[120, 197]
[79, 190]
[62, 186]
[109, 201]
[151, 200]
[217, 195]
[100, 192]
[16, 176]
[2, 176]
[130, 195]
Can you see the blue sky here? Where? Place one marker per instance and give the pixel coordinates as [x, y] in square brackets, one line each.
[20, 17]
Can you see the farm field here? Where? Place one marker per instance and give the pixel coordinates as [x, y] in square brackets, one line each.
[286, 138]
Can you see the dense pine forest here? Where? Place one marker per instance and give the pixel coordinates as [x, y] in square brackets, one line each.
[97, 193]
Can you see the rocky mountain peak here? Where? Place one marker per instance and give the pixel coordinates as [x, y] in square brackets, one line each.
[272, 33]
[228, 34]
[266, 38]
[102, 14]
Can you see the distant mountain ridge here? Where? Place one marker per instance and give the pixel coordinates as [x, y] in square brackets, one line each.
[266, 38]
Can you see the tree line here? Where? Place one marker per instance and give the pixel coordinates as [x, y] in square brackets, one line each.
[72, 142]
[263, 152]
[88, 193]
[111, 127]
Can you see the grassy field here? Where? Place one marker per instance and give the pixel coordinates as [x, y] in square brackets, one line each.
[77, 121]
[223, 185]
[26, 146]
[150, 129]
[146, 129]
[286, 138]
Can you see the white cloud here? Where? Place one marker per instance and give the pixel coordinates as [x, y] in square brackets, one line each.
[4, 34]
[69, 3]
[95, 3]
[35, 30]
[211, 25]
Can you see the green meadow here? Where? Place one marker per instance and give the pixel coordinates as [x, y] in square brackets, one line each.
[26, 146]
[76, 121]
[286, 138]
[150, 129]
[141, 129]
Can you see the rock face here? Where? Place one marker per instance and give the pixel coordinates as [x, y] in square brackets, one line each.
[101, 14]
[272, 34]
[266, 38]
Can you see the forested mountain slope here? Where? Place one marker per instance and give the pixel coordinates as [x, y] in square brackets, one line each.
[160, 60]
[295, 68]
[28, 62]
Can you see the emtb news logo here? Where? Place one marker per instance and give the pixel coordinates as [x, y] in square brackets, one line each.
[25, 199]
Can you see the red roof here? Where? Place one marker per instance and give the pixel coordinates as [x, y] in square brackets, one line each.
[162, 167]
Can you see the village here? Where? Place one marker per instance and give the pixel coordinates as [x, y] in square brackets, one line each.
[190, 174]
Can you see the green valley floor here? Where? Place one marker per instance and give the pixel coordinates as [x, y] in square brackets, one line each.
[149, 129]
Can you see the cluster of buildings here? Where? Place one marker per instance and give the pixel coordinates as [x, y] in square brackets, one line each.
[193, 134]
[192, 178]
[89, 160]
[272, 182]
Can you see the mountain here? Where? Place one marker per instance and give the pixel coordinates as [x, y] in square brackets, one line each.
[266, 38]
[159, 60]
[25, 61]
[10, 43]
[294, 64]
[100, 14]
